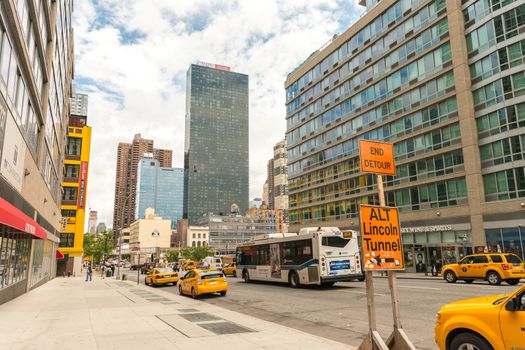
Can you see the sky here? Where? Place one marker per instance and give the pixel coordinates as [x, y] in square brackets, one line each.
[131, 58]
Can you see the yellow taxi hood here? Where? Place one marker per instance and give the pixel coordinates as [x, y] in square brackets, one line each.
[474, 303]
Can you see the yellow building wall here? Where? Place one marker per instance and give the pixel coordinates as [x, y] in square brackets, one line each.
[76, 224]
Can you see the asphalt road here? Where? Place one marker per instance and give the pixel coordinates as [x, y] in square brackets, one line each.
[340, 312]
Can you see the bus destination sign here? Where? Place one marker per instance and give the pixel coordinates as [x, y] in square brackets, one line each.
[381, 238]
[377, 157]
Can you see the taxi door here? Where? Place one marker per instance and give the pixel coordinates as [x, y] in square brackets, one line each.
[466, 267]
[480, 266]
[186, 282]
[149, 276]
[512, 324]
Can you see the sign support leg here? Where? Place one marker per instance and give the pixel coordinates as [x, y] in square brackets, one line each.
[373, 340]
[398, 339]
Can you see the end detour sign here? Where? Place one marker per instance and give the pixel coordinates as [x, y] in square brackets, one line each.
[377, 157]
[381, 238]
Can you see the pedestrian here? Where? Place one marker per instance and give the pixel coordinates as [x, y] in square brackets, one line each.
[113, 270]
[89, 274]
[103, 271]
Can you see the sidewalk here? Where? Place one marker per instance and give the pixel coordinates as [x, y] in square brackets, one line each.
[68, 313]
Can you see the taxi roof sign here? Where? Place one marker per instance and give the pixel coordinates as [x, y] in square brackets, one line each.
[377, 157]
[381, 238]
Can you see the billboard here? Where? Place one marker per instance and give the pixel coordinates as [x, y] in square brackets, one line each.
[13, 155]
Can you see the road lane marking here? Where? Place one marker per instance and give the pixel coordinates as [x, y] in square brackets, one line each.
[414, 287]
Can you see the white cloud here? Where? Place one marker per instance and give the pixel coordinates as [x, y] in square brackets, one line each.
[132, 58]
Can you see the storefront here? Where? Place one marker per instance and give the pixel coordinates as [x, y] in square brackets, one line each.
[26, 253]
[506, 237]
[428, 246]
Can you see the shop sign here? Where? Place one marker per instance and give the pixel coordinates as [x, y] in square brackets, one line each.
[377, 157]
[13, 154]
[426, 228]
[381, 238]
[82, 184]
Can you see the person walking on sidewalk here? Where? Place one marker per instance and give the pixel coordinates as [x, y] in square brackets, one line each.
[89, 274]
[103, 271]
[112, 270]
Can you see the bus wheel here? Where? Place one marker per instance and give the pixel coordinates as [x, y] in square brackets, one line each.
[294, 279]
[246, 276]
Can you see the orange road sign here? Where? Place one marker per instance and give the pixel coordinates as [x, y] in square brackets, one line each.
[377, 157]
[381, 238]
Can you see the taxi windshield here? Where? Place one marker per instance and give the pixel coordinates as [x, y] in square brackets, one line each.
[210, 274]
[165, 270]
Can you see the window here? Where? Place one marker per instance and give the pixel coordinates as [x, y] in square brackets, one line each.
[74, 146]
[496, 258]
[70, 194]
[479, 259]
[67, 240]
[512, 259]
[296, 252]
[71, 171]
[69, 213]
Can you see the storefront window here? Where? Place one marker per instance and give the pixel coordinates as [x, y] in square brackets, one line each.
[408, 238]
[14, 256]
[421, 237]
[434, 237]
[511, 241]
[449, 237]
[494, 242]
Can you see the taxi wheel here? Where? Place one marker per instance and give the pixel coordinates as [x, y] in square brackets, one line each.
[223, 293]
[450, 277]
[493, 278]
[180, 289]
[469, 341]
[193, 294]
[513, 281]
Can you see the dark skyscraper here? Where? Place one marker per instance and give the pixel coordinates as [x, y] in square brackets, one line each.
[216, 142]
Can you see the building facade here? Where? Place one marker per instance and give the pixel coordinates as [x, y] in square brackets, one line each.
[444, 81]
[226, 231]
[151, 235]
[160, 188]
[128, 156]
[36, 71]
[197, 236]
[268, 215]
[216, 140]
[271, 183]
[92, 221]
[74, 191]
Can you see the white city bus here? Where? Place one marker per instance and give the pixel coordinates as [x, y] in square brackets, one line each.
[320, 255]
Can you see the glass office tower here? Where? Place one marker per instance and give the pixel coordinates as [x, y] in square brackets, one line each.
[160, 188]
[216, 140]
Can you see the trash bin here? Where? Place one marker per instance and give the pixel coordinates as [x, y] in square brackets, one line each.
[108, 273]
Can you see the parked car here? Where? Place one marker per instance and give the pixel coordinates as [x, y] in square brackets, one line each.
[161, 275]
[230, 269]
[189, 265]
[493, 267]
[197, 282]
[484, 323]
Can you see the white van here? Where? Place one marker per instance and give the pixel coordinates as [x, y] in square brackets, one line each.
[212, 262]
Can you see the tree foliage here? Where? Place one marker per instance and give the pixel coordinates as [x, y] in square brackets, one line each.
[97, 246]
[196, 253]
[172, 255]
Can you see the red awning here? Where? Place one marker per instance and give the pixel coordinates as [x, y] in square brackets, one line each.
[11, 216]
[59, 255]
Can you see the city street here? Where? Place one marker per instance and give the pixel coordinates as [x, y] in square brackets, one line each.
[339, 313]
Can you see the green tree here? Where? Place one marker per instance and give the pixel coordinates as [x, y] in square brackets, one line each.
[97, 246]
[172, 255]
[196, 253]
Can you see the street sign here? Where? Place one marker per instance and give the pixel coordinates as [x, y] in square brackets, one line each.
[377, 157]
[381, 238]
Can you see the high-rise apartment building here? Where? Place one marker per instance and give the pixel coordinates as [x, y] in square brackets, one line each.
[280, 176]
[128, 156]
[271, 184]
[36, 71]
[74, 190]
[160, 188]
[216, 140]
[444, 81]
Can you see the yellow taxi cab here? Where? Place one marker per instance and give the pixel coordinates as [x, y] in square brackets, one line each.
[161, 275]
[484, 323]
[230, 269]
[197, 282]
[189, 265]
[493, 267]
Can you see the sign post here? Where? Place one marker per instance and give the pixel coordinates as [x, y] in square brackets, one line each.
[382, 245]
